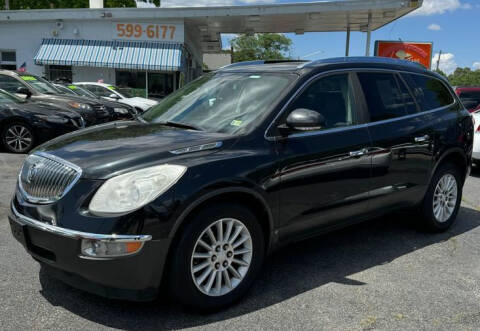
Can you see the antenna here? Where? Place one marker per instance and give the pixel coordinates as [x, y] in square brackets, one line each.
[438, 60]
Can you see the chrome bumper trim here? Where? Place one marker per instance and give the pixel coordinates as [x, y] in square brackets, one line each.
[75, 234]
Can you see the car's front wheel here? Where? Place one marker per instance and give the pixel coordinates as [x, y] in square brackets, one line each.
[217, 257]
[443, 198]
[17, 137]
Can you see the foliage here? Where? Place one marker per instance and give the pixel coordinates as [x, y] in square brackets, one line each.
[45, 4]
[465, 77]
[265, 46]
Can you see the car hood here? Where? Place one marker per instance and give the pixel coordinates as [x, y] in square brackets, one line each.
[144, 101]
[47, 109]
[65, 99]
[114, 148]
[41, 109]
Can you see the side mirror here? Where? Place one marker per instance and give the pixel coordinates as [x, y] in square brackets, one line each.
[302, 119]
[114, 96]
[25, 91]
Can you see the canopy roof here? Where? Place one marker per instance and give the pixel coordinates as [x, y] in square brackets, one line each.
[205, 24]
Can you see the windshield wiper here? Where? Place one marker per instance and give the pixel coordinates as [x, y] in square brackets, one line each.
[181, 125]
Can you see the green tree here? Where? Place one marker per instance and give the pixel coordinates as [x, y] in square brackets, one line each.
[265, 46]
[465, 77]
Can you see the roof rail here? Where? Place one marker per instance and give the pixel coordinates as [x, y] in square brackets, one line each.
[258, 62]
[366, 59]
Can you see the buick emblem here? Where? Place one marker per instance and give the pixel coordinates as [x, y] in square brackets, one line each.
[32, 172]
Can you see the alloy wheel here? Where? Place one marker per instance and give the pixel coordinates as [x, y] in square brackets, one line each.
[18, 138]
[221, 257]
[445, 198]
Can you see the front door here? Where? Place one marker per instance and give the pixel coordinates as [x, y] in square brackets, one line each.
[324, 173]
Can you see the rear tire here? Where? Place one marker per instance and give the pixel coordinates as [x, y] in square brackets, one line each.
[442, 201]
[213, 276]
[17, 137]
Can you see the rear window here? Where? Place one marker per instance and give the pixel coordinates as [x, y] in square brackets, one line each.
[430, 92]
[384, 97]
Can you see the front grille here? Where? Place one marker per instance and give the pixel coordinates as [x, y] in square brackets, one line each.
[45, 178]
[101, 110]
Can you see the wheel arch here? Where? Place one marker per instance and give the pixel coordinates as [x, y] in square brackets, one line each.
[456, 156]
[242, 195]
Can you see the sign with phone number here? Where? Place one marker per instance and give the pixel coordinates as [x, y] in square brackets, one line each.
[149, 31]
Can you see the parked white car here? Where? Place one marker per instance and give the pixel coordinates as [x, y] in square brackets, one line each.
[476, 139]
[113, 93]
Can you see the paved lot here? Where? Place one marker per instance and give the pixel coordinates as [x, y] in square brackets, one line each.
[382, 274]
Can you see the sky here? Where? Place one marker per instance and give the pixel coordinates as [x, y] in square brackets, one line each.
[452, 26]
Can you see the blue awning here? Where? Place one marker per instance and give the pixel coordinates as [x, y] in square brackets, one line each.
[141, 55]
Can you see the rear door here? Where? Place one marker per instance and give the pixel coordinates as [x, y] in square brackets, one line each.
[401, 141]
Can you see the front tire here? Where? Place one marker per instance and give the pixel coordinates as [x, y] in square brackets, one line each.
[442, 201]
[17, 137]
[217, 257]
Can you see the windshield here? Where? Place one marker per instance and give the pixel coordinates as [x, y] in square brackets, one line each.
[225, 102]
[125, 91]
[64, 90]
[82, 92]
[6, 97]
[40, 85]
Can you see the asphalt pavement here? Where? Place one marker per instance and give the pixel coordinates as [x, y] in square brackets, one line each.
[383, 274]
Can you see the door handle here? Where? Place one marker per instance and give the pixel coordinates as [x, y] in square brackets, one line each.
[422, 138]
[358, 153]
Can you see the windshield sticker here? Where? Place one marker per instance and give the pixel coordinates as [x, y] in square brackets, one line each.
[236, 123]
[111, 87]
[27, 78]
[72, 87]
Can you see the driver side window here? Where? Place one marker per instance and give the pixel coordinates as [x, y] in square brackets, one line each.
[332, 97]
[9, 84]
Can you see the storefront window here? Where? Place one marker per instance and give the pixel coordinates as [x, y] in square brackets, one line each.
[159, 84]
[59, 73]
[8, 60]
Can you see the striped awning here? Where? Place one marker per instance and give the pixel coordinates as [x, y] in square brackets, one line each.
[142, 55]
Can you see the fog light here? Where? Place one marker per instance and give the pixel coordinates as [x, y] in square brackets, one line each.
[97, 248]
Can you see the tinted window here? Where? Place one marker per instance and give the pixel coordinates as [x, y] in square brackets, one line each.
[9, 84]
[385, 99]
[332, 97]
[429, 92]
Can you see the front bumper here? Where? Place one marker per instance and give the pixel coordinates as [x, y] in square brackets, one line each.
[135, 277]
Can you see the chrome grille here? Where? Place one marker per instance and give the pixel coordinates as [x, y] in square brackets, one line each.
[45, 178]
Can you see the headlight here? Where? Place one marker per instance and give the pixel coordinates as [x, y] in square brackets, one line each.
[133, 190]
[78, 105]
[53, 119]
[120, 110]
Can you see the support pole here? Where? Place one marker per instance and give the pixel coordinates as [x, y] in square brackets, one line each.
[347, 46]
[369, 34]
[146, 84]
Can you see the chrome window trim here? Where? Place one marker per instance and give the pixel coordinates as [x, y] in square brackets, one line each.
[357, 126]
[73, 234]
[65, 191]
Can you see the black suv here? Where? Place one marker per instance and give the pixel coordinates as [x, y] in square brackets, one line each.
[38, 89]
[204, 185]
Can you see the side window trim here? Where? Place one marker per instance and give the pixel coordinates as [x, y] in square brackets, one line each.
[271, 137]
[450, 90]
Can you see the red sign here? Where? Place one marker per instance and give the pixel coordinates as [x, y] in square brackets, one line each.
[411, 51]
